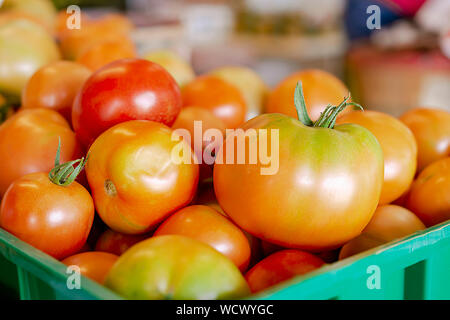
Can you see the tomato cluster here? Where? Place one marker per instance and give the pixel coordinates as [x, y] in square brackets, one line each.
[89, 169]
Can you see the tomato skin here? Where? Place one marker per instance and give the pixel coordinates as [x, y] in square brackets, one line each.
[117, 243]
[388, 223]
[92, 264]
[429, 197]
[55, 86]
[399, 150]
[319, 87]
[323, 194]
[32, 137]
[134, 181]
[223, 99]
[175, 267]
[208, 226]
[431, 128]
[281, 266]
[128, 89]
[54, 219]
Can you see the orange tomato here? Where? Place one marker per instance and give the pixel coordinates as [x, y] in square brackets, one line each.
[134, 181]
[117, 243]
[28, 141]
[319, 87]
[399, 150]
[429, 197]
[55, 86]
[389, 222]
[223, 99]
[208, 226]
[94, 265]
[431, 128]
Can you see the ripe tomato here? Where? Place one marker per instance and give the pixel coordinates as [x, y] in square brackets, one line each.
[175, 267]
[389, 222]
[431, 129]
[279, 267]
[208, 226]
[319, 189]
[399, 150]
[32, 136]
[52, 218]
[320, 88]
[117, 243]
[134, 181]
[94, 265]
[55, 86]
[223, 99]
[124, 90]
[429, 197]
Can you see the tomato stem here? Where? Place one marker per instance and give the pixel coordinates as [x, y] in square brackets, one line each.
[300, 105]
[64, 174]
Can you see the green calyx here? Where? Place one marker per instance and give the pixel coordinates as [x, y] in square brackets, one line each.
[327, 118]
[65, 173]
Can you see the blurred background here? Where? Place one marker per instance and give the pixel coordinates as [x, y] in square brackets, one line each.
[401, 63]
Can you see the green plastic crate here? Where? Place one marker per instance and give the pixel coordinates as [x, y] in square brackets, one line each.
[415, 267]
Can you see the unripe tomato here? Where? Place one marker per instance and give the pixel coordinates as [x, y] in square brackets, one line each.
[220, 97]
[175, 267]
[117, 243]
[93, 264]
[41, 10]
[55, 86]
[134, 181]
[28, 141]
[399, 150]
[429, 197]
[279, 267]
[128, 89]
[205, 224]
[431, 128]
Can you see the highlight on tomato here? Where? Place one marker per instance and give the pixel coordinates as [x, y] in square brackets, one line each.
[134, 181]
[93, 264]
[50, 211]
[321, 193]
[117, 243]
[175, 267]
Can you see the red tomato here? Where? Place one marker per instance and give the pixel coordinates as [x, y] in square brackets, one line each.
[128, 89]
[55, 86]
[429, 197]
[208, 226]
[279, 267]
[134, 181]
[94, 265]
[117, 243]
[28, 141]
[52, 218]
[223, 99]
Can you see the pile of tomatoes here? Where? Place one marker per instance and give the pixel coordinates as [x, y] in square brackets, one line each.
[87, 172]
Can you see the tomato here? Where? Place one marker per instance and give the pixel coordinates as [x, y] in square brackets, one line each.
[117, 243]
[320, 88]
[53, 218]
[399, 150]
[104, 52]
[223, 99]
[32, 137]
[180, 70]
[281, 266]
[205, 224]
[94, 265]
[134, 181]
[318, 190]
[175, 267]
[429, 197]
[431, 128]
[388, 223]
[252, 87]
[25, 46]
[55, 86]
[39, 10]
[124, 90]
